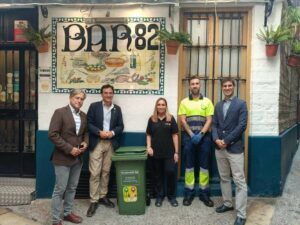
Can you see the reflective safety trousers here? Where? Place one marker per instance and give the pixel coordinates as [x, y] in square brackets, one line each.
[197, 155]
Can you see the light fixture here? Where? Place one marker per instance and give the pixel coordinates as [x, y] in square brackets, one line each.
[106, 20]
[44, 11]
[5, 5]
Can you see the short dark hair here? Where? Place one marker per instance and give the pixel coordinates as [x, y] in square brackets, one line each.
[193, 78]
[228, 79]
[105, 86]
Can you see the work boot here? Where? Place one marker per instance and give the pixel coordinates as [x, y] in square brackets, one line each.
[187, 201]
[206, 200]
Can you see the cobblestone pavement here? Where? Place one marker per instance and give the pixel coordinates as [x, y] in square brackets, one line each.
[284, 210]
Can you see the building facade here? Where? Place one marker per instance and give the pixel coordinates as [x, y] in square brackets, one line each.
[116, 43]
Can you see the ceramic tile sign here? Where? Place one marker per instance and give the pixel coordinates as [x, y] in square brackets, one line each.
[127, 54]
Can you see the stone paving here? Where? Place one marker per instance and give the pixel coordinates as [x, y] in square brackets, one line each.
[260, 213]
[283, 210]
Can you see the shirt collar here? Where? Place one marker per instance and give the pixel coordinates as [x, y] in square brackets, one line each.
[108, 107]
[163, 119]
[74, 111]
[191, 96]
[229, 99]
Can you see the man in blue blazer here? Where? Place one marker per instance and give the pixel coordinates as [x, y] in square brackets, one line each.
[229, 124]
[105, 124]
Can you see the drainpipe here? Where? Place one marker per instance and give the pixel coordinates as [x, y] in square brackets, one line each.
[268, 10]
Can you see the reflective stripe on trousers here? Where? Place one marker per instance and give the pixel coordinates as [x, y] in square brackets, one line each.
[203, 178]
[189, 178]
[201, 153]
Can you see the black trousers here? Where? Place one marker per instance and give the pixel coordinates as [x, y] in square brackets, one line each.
[164, 177]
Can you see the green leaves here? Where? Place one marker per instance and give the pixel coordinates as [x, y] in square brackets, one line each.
[37, 37]
[182, 37]
[274, 36]
[291, 19]
[296, 47]
[291, 16]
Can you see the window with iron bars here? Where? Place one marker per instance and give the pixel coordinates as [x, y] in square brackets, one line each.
[219, 49]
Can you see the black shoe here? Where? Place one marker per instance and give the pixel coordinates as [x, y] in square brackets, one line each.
[105, 201]
[187, 200]
[223, 208]
[92, 209]
[206, 200]
[158, 202]
[173, 202]
[239, 221]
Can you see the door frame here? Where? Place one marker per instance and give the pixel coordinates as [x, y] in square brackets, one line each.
[182, 58]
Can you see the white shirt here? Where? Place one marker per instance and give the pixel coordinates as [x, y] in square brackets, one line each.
[107, 116]
[77, 119]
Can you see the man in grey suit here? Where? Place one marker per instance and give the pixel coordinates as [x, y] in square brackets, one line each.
[68, 132]
[229, 124]
[105, 124]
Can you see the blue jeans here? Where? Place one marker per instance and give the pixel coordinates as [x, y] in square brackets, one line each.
[66, 181]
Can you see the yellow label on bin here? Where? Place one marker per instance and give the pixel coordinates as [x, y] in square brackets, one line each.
[130, 193]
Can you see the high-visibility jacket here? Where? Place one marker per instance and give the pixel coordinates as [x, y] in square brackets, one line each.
[196, 111]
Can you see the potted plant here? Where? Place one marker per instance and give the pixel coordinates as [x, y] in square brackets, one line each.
[294, 57]
[173, 39]
[291, 19]
[273, 37]
[39, 38]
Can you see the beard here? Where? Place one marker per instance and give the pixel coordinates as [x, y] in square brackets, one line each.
[195, 91]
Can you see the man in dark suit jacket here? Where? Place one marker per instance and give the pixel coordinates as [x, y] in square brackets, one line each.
[105, 125]
[229, 124]
[68, 132]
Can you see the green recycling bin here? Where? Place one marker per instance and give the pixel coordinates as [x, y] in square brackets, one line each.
[130, 163]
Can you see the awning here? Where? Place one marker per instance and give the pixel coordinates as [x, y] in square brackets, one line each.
[222, 1]
[86, 2]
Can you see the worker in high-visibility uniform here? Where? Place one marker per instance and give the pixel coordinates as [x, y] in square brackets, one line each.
[196, 114]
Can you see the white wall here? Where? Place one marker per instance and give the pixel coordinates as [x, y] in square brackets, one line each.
[136, 108]
[265, 74]
[264, 77]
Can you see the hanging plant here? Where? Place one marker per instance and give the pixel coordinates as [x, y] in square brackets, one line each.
[173, 39]
[273, 37]
[39, 38]
[291, 19]
[294, 57]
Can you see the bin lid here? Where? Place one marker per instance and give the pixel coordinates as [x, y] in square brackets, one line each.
[131, 150]
[130, 153]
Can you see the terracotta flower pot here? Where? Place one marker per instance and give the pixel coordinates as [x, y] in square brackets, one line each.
[293, 60]
[172, 47]
[271, 50]
[44, 47]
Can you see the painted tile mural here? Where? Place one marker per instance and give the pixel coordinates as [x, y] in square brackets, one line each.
[89, 53]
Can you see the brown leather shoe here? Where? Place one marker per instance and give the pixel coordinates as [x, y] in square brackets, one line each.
[57, 223]
[105, 201]
[73, 218]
